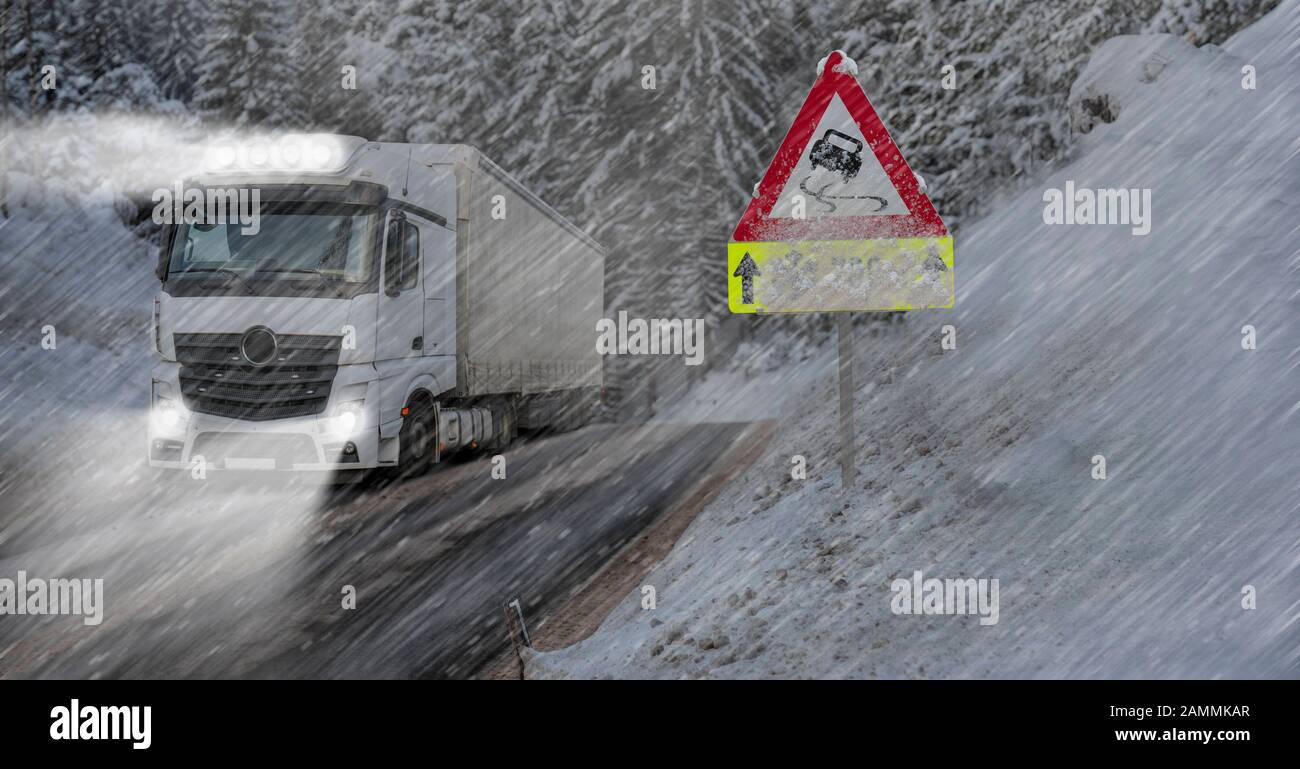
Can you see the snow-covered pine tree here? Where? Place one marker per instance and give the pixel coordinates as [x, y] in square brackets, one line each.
[6, 25]
[105, 33]
[622, 188]
[451, 61]
[540, 101]
[410, 36]
[108, 64]
[34, 42]
[728, 113]
[369, 20]
[247, 70]
[327, 48]
[670, 169]
[1207, 21]
[173, 48]
[1015, 61]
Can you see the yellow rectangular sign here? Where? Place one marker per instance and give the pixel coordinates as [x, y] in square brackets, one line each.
[840, 275]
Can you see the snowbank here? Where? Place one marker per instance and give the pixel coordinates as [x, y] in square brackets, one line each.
[1124, 68]
[750, 391]
[1072, 342]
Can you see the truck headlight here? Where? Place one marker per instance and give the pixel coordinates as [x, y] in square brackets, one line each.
[348, 417]
[166, 413]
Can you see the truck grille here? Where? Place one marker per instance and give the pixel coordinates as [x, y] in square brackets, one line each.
[216, 379]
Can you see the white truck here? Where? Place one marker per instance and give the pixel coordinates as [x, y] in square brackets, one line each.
[392, 303]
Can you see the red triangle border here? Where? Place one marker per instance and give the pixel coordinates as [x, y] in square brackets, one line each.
[921, 221]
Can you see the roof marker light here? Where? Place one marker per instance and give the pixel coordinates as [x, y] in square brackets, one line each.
[320, 154]
[258, 154]
[294, 152]
[290, 153]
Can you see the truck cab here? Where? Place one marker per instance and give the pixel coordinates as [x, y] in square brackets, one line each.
[318, 331]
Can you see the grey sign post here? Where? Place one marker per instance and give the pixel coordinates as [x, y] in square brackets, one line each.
[847, 466]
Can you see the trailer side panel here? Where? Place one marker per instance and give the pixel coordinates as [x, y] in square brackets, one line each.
[530, 290]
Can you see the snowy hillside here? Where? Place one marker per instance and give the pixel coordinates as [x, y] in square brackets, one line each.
[1072, 341]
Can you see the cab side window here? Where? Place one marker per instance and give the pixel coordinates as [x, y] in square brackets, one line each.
[401, 256]
[410, 256]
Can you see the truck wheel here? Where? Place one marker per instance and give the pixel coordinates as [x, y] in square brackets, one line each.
[415, 449]
[507, 427]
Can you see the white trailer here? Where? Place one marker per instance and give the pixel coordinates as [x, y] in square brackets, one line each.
[392, 302]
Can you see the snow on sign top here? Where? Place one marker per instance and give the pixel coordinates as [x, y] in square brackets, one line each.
[838, 175]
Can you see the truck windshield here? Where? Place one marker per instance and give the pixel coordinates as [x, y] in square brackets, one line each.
[313, 249]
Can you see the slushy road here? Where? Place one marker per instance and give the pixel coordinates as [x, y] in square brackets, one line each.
[223, 579]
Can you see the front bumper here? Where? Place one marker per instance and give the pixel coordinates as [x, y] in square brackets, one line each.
[310, 443]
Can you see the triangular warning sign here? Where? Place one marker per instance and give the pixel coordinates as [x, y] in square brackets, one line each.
[839, 221]
[839, 163]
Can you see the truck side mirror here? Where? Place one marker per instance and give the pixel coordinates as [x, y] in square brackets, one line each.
[164, 252]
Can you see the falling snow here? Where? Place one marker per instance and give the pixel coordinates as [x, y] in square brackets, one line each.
[975, 462]
[1071, 342]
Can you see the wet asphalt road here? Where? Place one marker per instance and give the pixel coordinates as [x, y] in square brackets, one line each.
[224, 579]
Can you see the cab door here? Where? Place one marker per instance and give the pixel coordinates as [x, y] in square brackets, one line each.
[400, 332]
[439, 254]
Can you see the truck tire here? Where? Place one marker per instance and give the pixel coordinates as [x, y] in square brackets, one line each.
[416, 440]
[506, 420]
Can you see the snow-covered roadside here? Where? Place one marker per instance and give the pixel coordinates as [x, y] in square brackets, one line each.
[743, 393]
[1073, 341]
[90, 279]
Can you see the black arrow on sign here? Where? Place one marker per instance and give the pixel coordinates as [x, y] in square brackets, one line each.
[746, 271]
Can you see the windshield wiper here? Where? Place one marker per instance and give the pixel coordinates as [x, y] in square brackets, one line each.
[305, 270]
[224, 271]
